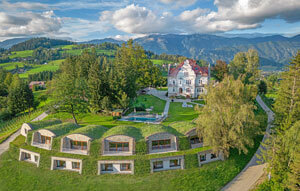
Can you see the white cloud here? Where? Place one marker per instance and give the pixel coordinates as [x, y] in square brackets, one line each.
[23, 5]
[28, 24]
[230, 15]
[179, 3]
[136, 19]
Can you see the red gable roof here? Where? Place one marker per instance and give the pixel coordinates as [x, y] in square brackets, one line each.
[203, 71]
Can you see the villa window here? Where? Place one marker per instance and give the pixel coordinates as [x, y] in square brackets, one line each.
[125, 167]
[173, 82]
[180, 82]
[78, 145]
[76, 165]
[158, 165]
[213, 156]
[188, 82]
[188, 90]
[107, 167]
[173, 89]
[186, 74]
[200, 81]
[161, 144]
[202, 157]
[45, 139]
[119, 146]
[175, 163]
[27, 156]
[61, 164]
[195, 140]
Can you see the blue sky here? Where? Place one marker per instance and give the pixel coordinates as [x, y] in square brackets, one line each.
[85, 20]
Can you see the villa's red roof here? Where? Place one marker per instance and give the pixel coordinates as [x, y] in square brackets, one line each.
[203, 71]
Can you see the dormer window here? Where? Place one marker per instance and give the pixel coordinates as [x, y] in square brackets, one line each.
[186, 74]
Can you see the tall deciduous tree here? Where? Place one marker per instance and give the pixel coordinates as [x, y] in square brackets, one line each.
[220, 70]
[227, 120]
[245, 65]
[70, 91]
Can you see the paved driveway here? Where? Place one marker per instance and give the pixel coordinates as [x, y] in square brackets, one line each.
[247, 178]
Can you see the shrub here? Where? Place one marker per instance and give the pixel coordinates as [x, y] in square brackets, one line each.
[184, 143]
[191, 161]
[141, 147]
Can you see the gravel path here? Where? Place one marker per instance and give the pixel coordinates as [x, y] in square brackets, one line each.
[247, 178]
[5, 145]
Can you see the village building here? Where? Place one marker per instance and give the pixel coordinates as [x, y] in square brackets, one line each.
[187, 79]
[25, 128]
[39, 84]
[116, 167]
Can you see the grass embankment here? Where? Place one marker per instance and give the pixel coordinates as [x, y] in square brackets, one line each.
[179, 113]
[17, 175]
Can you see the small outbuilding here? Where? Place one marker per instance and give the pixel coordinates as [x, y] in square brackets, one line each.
[70, 164]
[116, 167]
[25, 128]
[43, 139]
[117, 112]
[209, 156]
[162, 142]
[121, 145]
[167, 163]
[194, 139]
[76, 144]
[29, 156]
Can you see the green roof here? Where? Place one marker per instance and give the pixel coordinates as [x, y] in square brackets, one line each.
[125, 130]
[183, 126]
[44, 124]
[62, 129]
[153, 129]
[92, 131]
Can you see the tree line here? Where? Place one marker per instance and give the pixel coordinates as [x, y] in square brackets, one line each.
[15, 95]
[94, 83]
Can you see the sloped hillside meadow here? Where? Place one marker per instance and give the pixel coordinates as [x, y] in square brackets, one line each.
[211, 176]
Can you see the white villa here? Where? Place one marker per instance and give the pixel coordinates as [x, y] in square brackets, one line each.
[187, 79]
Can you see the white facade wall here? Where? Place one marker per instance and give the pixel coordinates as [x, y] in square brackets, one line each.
[166, 163]
[68, 164]
[116, 166]
[34, 157]
[187, 83]
[25, 128]
[208, 157]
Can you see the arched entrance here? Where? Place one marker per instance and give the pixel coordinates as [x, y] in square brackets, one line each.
[180, 90]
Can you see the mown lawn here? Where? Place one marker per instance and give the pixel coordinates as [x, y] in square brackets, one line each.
[148, 101]
[179, 113]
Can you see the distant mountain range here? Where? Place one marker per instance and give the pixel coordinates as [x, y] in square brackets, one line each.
[275, 51]
[6, 44]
